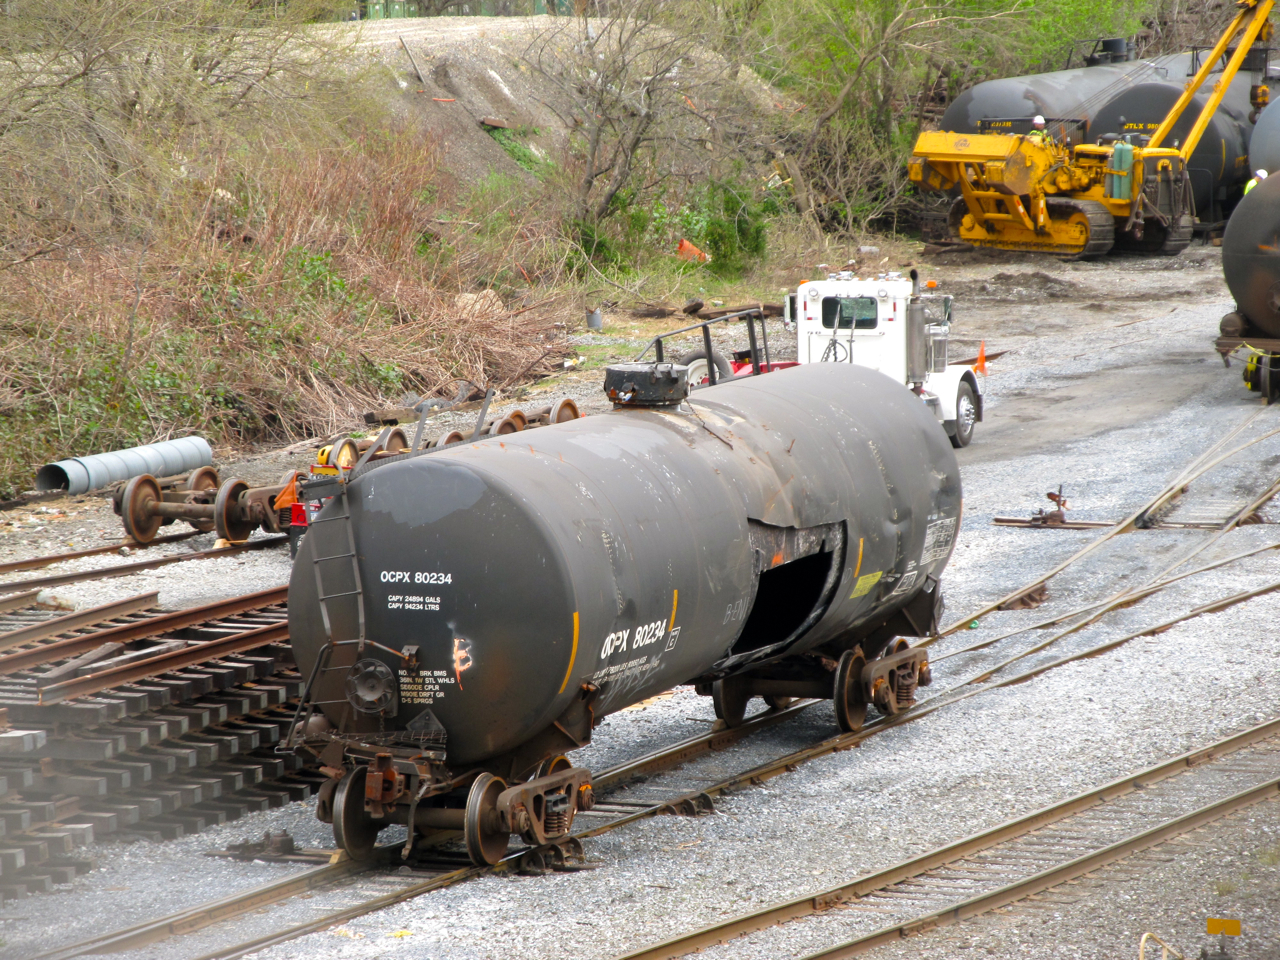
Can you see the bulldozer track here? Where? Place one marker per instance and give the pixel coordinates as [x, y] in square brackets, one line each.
[1102, 225]
[1102, 229]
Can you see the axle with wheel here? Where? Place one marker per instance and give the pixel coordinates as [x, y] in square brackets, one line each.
[233, 509]
[483, 807]
[888, 681]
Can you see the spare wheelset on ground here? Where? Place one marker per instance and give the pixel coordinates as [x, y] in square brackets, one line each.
[233, 508]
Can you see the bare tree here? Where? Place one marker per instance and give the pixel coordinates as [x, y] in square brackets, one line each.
[858, 68]
[643, 92]
[104, 105]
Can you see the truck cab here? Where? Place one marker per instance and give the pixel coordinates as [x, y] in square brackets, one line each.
[887, 324]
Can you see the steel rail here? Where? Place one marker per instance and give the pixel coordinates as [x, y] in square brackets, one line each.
[49, 560]
[813, 903]
[74, 621]
[195, 918]
[1212, 607]
[127, 569]
[1047, 879]
[756, 775]
[16, 601]
[198, 917]
[1197, 468]
[704, 743]
[197, 652]
[1140, 593]
[74, 646]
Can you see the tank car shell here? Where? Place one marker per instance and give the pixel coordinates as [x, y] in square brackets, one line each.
[1264, 145]
[1251, 256]
[1139, 91]
[1058, 94]
[625, 550]
[1220, 158]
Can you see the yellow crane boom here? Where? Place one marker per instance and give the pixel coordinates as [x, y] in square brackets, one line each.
[1015, 192]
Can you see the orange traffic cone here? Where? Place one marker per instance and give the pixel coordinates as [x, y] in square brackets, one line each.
[687, 251]
[981, 365]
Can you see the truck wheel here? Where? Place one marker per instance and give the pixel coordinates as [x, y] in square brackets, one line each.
[966, 415]
[696, 361]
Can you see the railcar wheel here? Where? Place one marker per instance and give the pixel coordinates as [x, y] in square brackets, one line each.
[729, 697]
[343, 455]
[563, 411]
[966, 416]
[486, 840]
[136, 506]
[553, 765]
[397, 441]
[447, 439]
[205, 478]
[353, 828]
[848, 696]
[226, 512]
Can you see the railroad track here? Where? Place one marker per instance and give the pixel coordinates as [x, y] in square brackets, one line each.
[49, 559]
[617, 810]
[128, 569]
[126, 718]
[1217, 454]
[1017, 859]
[428, 876]
[619, 806]
[1146, 516]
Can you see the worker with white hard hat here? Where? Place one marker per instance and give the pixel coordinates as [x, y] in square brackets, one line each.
[1038, 132]
[1258, 177]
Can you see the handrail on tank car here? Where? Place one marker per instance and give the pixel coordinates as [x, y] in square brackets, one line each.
[751, 315]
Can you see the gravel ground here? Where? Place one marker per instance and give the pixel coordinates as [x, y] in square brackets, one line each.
[1228, 869]
[979, 762]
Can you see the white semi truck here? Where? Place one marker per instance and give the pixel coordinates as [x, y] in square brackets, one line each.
[887, 324]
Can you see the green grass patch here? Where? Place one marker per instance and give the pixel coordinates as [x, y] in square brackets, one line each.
[512, 141]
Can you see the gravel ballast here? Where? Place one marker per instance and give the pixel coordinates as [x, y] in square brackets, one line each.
[994, 756]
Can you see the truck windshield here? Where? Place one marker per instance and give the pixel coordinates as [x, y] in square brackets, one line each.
[856, 312]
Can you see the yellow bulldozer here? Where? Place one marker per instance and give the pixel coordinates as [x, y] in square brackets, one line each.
[1051, 195]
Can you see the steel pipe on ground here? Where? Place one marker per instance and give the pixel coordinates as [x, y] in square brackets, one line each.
[82, 474]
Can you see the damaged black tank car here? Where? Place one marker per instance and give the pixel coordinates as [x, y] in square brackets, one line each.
[467, 616]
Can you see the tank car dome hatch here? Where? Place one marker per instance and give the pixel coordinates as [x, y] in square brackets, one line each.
[1251, 256]
[646, 384]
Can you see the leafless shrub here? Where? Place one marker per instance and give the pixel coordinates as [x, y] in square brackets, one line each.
[653, 102]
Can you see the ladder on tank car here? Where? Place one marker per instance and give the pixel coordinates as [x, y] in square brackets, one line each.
[337, 571]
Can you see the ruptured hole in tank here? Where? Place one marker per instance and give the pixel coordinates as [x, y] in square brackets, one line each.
[785, 598]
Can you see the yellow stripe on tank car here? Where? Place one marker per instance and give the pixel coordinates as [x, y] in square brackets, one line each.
[573, 656]
[675, 596]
